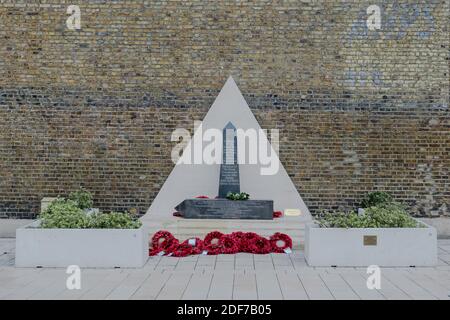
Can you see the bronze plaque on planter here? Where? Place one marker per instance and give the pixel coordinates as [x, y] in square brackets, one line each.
[370, 240]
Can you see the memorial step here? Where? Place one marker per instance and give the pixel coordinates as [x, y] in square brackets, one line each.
[189, 228]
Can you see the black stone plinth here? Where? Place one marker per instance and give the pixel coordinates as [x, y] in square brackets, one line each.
[226, 209]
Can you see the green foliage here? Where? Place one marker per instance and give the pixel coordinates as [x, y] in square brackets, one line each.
[376, 198]
[238, 196]
[66, 214]
[115, 220]
[388, 215]
[391, 215]
[82, 197]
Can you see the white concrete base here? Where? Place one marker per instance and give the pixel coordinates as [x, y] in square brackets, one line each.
[8, 226]
[183, 228]
[442, 225]
[94, 248]
[395, 247]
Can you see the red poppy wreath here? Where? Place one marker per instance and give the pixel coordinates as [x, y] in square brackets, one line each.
[212, 243]
[196, 245]
[163, 241]
[277, 214]
[280, 242]
[246, 241]
[259, 245]
[182, 250]
[239, 239]
[228, 244]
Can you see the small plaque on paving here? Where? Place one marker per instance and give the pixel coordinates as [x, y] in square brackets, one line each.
[226, 209]
[292, 212]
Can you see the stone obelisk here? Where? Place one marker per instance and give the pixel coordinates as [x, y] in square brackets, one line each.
[229, 169]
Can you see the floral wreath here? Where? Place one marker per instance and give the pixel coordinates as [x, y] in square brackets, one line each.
[229, 244]
[183, 250]
[283, 238]
[168, 249]
[239, 239]
[215, 242]
[259, 245]
[277, 214]
[246, 240]
[213, 248]
[163, 241]
[197, 248]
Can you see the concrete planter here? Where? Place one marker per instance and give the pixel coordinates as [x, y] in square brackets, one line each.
[389, 247]
[95, 248]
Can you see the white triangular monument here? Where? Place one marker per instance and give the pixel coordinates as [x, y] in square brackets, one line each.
[191, 180]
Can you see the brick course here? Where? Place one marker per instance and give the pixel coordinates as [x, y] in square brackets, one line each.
[357, 110]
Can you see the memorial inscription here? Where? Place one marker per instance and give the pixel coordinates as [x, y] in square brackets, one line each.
[229, 169]
[228, 209]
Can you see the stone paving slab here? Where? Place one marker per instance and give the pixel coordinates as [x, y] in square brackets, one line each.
[240, 276]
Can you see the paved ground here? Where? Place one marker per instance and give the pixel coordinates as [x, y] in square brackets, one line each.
[241, 276]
